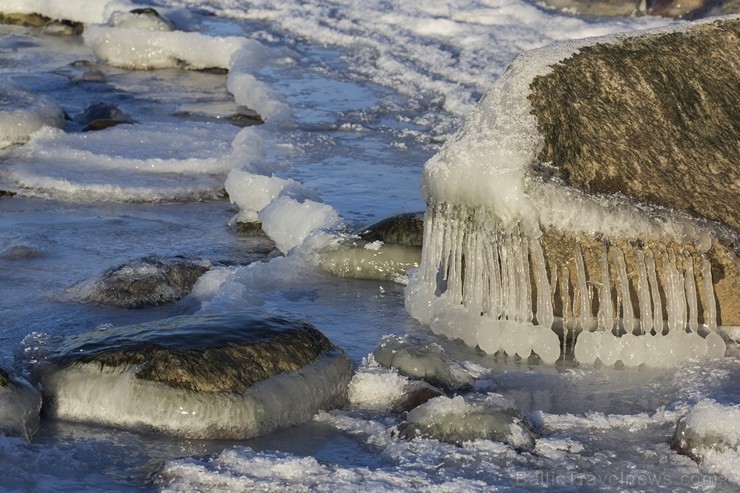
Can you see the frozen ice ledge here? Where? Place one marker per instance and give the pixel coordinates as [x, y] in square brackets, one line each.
[588, 207]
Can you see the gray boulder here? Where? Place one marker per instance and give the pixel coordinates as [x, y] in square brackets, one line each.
[140, 283]
[231, 376]
[101, 115]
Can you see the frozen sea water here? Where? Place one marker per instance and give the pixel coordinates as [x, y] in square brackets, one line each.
[356, 96]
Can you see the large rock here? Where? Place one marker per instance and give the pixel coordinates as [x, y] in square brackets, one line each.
[688, 9]
[593, 188]
[20, 404]
[231, 376]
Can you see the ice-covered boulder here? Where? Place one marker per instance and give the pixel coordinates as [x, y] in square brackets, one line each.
[454, 420]
[140, 283]
[49, 25]
[593, 190]
[414, 358]
[385, 250]
[359, 259]
[228, 376]
[20, 404]
[22, 113]
[599, 8]
[710, 434]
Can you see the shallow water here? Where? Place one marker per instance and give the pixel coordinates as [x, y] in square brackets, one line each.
[372, 91]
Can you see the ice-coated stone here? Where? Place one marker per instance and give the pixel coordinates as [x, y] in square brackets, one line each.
[224, 376]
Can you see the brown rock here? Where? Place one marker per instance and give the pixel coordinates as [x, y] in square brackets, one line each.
[654, 117]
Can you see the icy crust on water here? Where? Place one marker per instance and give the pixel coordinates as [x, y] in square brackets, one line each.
[142, 48]
[108, 166]
[584, 451]
[483, 224]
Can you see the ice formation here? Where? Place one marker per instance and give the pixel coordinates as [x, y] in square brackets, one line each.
[484, 277]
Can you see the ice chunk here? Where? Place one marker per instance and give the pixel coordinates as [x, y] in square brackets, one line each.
[289, 222]
[710, 434]
[417, 359]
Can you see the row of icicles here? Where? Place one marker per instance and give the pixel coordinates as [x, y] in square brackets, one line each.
[484, 296]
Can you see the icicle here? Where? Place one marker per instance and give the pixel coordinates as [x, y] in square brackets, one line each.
[525, 284]
[643, 293]
[655, 293]
[544, 297]
[511, 272]
[628, 317]
[710, 309]
[565, 300]
[585, 304]
[606, 311]
[496, 282]
[680, 293]
[691, 296]
[674, 290]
